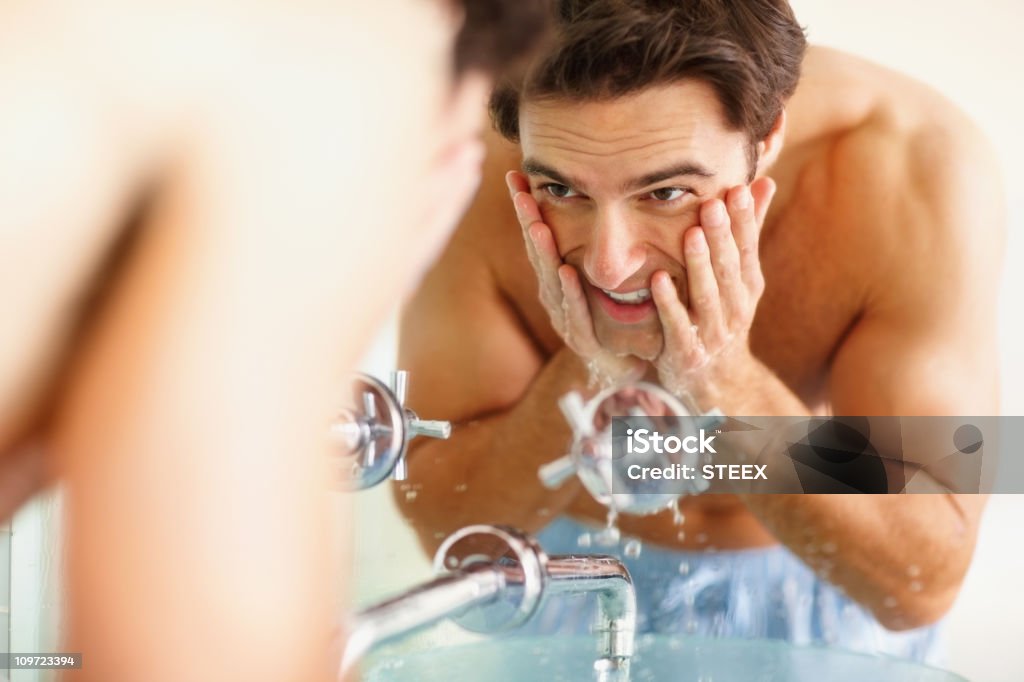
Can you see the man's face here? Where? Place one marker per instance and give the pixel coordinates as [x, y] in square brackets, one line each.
[619, 182]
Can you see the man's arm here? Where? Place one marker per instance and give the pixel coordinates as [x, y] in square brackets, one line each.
[924, 345]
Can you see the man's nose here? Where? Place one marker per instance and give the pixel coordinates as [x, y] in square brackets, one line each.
[615, 251]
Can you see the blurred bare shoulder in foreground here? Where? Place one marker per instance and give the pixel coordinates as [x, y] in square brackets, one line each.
[191, 196]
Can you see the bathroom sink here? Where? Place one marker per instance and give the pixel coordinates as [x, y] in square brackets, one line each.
[658, 658]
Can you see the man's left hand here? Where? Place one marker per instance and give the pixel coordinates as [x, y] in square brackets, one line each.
[704, 342]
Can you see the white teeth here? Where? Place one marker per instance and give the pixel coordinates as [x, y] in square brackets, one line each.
[638, 296]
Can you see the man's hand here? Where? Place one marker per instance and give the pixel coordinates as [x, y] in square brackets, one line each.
[561, 293]
[707, 341]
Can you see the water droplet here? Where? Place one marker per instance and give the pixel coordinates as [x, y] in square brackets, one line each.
[684, 568]
[916, 586]
[828, 548]
[913, 570]
[702, 538]
[543, 511]
[678, 517]
[440, 535]
[632, 549]
[411, 495]
[608, 537]
[890, 602]
[461, 488]
[681, 535]
[811, 548]
[584, 540]
[452, 562]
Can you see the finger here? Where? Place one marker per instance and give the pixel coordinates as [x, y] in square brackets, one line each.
[516, 182]
[527, 211]
[763, 191]
[577, 313]
[540, 246]
[723, 240]
[700, 276]
[548, 261]
[745, 228]
[677, 329]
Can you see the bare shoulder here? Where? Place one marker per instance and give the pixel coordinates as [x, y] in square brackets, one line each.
[914, 180]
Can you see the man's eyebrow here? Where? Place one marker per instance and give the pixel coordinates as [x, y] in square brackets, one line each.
[680, 169]
[534, 167]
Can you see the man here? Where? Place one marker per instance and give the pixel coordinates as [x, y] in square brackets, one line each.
[694, 216]
[197, 244]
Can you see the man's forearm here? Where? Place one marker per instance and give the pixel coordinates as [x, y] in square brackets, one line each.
[874, 547]
[487, 471]
[877, 549]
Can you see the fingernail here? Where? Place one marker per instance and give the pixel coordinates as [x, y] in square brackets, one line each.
[508, 183]
[562, 275]
[517, 202]
[742, 198]
[697, 242]
[716, 214]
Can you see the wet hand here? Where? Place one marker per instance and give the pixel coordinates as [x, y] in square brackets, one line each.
[705, 340]
[561, 292]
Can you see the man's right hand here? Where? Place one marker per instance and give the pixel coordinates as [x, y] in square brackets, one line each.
[561, 293]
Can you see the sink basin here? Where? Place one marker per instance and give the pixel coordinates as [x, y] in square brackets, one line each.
[659, 658]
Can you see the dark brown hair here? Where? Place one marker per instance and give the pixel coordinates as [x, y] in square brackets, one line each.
[496, 34]
[749, 51]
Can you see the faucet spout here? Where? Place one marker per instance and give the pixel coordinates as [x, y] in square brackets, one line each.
[610, 580]
[444, 597]
[493, 579]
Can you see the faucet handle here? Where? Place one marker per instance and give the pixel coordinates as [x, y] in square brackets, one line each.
[576, 413]
[371, 433]
[376, 439]
[414, 426]
[556, 472]
[523, 566]
[592, 453]
[431, 428]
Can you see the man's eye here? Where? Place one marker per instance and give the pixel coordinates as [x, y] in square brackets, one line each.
[668, 193]
[558, 191]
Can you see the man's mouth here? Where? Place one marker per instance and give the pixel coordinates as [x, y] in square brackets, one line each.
[626, 307]
[631, 297]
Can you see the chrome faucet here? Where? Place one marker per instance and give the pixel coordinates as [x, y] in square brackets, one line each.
[375, 431]
[493, 579]
[592, 454]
